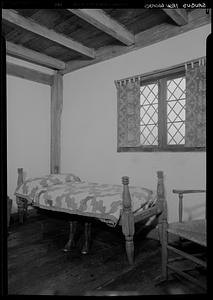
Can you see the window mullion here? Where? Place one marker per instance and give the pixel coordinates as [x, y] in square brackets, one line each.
[162, 113]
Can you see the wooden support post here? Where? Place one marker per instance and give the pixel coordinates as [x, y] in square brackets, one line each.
[56, 110]
[20, 201]
[70, 243]
[87, 238]
[162, 226]
[127, 217]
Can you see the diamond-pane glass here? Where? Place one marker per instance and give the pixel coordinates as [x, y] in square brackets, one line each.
[149, 114]
[176, 111]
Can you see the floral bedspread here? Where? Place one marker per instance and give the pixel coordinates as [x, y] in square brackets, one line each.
[102, 201]
[31, 186]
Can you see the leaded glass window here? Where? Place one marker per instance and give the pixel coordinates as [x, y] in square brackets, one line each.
[149, 114]
[163, 102]
[176, 98]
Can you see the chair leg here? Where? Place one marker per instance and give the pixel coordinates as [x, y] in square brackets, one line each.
[87, 238]
[70, 243]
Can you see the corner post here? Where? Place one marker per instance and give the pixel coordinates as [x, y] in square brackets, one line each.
[163, 223]
[128, 224]
[56, 111]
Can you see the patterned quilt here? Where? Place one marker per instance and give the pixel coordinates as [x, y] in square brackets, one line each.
[101, 201]
[31, 186]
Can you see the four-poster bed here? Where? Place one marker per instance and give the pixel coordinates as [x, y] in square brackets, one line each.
[114, 205]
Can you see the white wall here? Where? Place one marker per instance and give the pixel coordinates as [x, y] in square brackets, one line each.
[89, 124]
[28, 130]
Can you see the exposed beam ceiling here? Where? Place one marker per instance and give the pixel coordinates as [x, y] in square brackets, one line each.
[50, 34]
[33, 56]
[197, 18]
[179, 16]
[99, 19]
[27, 73]
[162, 30]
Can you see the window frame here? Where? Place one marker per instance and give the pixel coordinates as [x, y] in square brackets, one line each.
[161, 77]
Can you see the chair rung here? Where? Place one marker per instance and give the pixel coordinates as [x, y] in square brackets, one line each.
[188, 256]
[175, 258]
[187, 276]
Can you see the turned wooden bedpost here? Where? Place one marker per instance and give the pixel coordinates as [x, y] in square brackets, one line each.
[20, 203]
[127, 217]
[70, 243]
[162, 206]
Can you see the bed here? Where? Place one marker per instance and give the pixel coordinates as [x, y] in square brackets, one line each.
[115, 205]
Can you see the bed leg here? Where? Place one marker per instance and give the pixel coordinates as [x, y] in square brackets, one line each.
[20, 201]
[87, 238]
[128, 224]
[20, 204]
[70, 243]
[162, 226]
[164, 250]
[130, 249]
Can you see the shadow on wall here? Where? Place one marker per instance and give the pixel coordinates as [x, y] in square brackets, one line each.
[195, 212]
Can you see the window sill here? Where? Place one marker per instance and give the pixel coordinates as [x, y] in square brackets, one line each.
[166, 149]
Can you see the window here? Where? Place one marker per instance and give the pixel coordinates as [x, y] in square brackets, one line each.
[164, 110]
[176, 99]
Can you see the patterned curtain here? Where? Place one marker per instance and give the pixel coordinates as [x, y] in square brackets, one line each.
[195, 134]
[128, 109]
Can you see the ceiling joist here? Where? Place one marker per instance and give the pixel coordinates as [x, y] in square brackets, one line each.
[33, 56]
[197, 18]
[179, 16]
[99, 19]
[160, 31]
[50, 34]
[29, 74]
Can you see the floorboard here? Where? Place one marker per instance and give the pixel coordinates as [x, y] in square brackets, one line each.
[37, 264]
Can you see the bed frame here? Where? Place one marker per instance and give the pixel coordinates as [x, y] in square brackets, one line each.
[127, 220]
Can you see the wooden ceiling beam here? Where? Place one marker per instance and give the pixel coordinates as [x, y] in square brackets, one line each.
[16, 19]
[99, 19]
[197, 18]
[33, 56]
[179, 16]
[29, 74]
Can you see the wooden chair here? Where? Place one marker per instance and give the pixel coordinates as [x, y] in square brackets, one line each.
[193, 231]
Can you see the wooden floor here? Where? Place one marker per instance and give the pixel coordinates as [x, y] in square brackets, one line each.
[38, 266]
